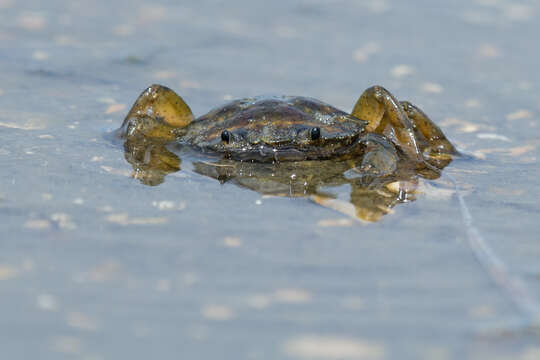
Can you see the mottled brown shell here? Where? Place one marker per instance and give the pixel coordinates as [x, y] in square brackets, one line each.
[275, 124]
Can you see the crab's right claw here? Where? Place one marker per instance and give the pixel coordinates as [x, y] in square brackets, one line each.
[158, 113]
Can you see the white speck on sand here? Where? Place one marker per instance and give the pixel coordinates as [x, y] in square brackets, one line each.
[124, 220]
[232, 242]
[217, 312]
[37, 224]
[333, 347]
[115, 171]
[7, 272]
[402, 70]
[115, 108]
[432, 88]
[40, 55]
[335, 222]
[363, 53]
[169, 205]
[292, 296]
[63, 221]
[32, 124]
[491, 136]
[47, 302]
[519, 114]
[32, 21]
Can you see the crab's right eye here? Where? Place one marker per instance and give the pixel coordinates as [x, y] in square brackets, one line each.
[315, 133]
[226, 136]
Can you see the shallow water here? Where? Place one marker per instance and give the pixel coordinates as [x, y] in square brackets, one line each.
[96, 265]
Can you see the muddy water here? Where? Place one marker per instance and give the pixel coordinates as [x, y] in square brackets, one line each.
[96, 265]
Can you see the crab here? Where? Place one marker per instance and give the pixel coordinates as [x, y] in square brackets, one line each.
[380, 130]
[292, 145]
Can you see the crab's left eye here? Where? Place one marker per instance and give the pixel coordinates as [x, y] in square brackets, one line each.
[315, 133]
[226, 136]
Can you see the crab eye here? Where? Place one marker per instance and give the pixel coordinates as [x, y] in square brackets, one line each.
[226, 136]
[315, 133]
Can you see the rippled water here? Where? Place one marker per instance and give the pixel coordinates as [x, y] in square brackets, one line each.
[96, 265]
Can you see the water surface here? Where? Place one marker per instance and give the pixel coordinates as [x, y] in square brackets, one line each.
[96, 265]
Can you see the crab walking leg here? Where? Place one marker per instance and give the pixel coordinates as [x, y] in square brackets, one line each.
[157, 113]
[386, 117]
[437, 142]
[380, 157]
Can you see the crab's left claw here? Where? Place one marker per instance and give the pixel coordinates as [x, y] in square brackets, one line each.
[158, 113]
[408, 127]
[435, 140]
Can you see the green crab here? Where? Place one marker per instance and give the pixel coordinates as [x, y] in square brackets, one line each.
[290, 145]
[380, 129]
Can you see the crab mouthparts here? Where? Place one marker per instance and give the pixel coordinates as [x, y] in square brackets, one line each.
[272, 153]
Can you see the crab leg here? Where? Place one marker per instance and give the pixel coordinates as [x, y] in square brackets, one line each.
[437, 143]
[380, 158]
[386, 117]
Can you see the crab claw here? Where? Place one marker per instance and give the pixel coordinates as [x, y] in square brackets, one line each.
[408, 127]
[158, 113]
